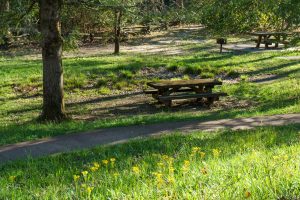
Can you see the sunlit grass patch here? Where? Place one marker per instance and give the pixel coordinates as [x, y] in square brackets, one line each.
[254, 164]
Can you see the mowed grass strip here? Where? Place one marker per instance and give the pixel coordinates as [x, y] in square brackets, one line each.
[250, 164]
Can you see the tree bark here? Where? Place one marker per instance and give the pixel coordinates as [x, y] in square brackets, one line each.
[117, 30]
[53, 96]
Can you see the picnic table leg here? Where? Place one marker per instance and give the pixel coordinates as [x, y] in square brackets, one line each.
[164, 92]
[198, 90]
[210, 100]
[258, 41]
[266, 43]
[277, 41]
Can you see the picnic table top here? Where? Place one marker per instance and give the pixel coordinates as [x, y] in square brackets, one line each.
[263, 33]
[183, 83]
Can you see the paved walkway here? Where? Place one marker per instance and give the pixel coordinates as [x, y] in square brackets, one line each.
[122, 134]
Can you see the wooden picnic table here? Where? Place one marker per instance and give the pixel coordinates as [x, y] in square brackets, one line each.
[266, 38]
[167, 90]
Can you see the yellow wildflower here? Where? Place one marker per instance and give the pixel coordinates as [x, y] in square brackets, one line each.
[116, 174]
[165, 157]
[89, 190]
[105, 162]
[202, 154]
[186, 165]
[159, 178]
[76, 178]
[112, 160]
[136, 169]
[186, 162]
[96, 164]
[171, 179]
[171, 169]
[195, 149]
[216, 152]
[12, 178]
[84, 173]
[93, 168]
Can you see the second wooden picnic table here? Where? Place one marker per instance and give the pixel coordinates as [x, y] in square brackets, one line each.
[165, 90]
[265, 38]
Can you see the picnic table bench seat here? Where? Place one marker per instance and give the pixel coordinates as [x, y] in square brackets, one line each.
[192, 96]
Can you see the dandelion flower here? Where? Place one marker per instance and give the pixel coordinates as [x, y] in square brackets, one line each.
[76, 178]
[105, 162]
[84, 173]
[12, 178]
[112, 160]
[89, 190]
[93, 168]
[202, 154]
[216, 152]
[136, 169]
[96, 164]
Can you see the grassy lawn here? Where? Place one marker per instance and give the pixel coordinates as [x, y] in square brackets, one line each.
[104, 91]
[250, 164]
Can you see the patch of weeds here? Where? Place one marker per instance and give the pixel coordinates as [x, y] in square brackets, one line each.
[75, 81]
[172, 68]
[233, 74]
[35, 79]
[244, 78]
[243, 90]
[186, 77]
[112, 76]
[104, 90]
[209, 69]
[192, 69]
[121, 85]
[126, 74]
[101, 82]
[207, 75]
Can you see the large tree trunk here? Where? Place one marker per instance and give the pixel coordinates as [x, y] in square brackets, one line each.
[117, 30]
[53, 97]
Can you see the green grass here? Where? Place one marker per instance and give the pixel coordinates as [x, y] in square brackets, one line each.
[250, 164]
[89, 78]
